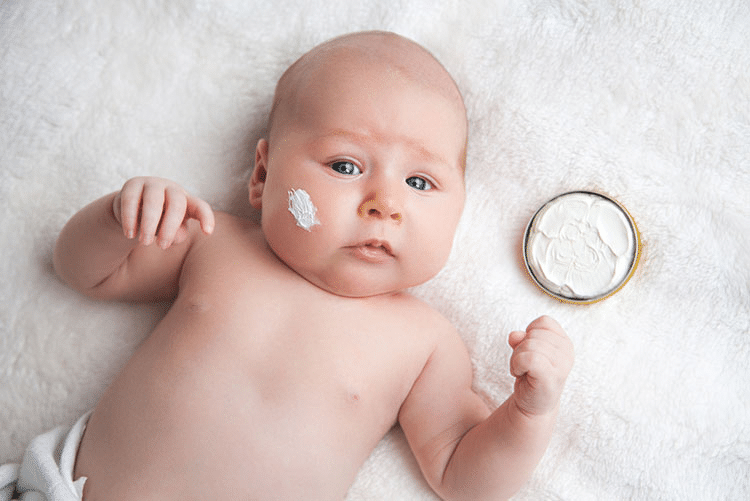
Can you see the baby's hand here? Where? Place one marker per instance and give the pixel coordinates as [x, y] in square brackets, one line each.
[159, 209]
[541, 360]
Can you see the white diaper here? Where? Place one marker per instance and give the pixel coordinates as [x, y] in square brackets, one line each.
[46, 471]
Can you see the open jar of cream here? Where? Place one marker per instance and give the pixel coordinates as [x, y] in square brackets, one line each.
[581, 247]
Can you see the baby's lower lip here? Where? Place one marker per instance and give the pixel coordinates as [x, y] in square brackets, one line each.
[371, 254]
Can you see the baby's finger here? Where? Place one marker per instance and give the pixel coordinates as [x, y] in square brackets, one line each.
[129, 201]
[545, 340]
[531, 363]
[151, 212]
[546, 323]
[515, 338]
[200, 210]
[548, 329]
[175, 203]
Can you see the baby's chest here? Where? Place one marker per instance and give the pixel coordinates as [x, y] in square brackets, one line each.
[286, 335]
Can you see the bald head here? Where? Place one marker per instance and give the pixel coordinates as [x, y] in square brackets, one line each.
[391, 54]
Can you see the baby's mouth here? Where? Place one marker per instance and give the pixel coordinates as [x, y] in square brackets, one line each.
[374, 251]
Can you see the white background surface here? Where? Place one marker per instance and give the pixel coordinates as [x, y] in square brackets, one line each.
[646, 101]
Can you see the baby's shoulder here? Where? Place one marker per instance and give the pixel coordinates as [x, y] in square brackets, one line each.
[418, 316]
[234, 224]
[234, 240]
[229, 230]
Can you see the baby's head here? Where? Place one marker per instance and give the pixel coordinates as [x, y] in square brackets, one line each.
[360, 181]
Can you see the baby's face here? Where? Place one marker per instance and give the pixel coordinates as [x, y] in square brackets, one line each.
[380, 157]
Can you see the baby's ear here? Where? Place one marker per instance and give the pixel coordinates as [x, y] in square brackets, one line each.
[258, 179]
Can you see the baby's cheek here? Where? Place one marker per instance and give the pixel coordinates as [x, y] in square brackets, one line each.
[428, 263]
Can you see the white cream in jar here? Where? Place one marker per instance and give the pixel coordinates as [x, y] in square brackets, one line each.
[581, 246]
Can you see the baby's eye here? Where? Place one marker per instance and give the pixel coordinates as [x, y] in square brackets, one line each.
[419, 183]
[346, 168]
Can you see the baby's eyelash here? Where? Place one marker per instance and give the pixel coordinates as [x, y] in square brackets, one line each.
[350, 168]
[345, 167]
[419, 183]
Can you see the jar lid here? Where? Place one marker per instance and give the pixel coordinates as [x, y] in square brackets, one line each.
[581, 247]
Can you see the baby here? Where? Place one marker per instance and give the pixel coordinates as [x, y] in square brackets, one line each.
[292, 347]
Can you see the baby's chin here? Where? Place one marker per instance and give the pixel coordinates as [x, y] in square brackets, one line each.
[350, 289]
[359, 287]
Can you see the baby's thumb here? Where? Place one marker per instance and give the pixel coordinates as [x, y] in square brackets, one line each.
[515, 338]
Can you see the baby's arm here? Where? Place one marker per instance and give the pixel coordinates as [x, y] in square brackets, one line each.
[466, 452]
[104, 250]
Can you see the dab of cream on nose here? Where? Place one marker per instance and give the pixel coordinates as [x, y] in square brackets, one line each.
[303, 210]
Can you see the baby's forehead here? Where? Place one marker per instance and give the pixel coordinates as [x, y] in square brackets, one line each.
[384, 52]
[360, 52]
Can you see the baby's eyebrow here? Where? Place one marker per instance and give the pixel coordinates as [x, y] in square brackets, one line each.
[421, 151]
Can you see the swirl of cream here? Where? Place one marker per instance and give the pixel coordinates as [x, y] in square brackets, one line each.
[581, 246]
[303, 210]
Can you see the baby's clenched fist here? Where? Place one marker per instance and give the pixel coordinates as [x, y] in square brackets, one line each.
[541, 360]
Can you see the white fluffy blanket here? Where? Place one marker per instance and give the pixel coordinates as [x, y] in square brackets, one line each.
[648, 101]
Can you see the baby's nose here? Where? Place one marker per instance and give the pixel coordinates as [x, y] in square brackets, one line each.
[380, 207]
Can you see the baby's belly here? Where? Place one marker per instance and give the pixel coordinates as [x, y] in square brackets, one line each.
[201, 419]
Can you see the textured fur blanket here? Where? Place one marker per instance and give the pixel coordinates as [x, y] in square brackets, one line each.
[647, 101]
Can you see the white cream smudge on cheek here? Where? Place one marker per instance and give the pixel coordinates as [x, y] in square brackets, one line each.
[303, 210]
